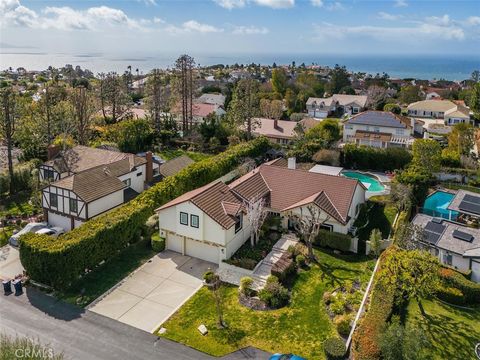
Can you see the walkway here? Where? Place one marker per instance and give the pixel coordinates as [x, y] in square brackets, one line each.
[263, 269]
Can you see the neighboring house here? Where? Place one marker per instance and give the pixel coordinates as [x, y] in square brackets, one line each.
[210, 222]
[454, 244]
[447, 110]
[381, 129]
[345, 104]
[85, 182]
[466, 204]
[172, 167]
[281, 131]
[213, 99]
[199, 112]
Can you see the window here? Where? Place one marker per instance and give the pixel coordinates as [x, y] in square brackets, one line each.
[183, 218]
[355, 110]
[238, 223]
[53, 200]
[447, 259]
[73, 203]
[326, 227]
[349, 127]
[376, 129]
[139, 174]
[48, 174]
[194, 221]
[128, 182]
[399, 131]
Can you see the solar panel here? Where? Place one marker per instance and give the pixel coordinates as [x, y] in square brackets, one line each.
[457, 234]
[432, 237]
[470, 207]
[471, 199]
[435, 227]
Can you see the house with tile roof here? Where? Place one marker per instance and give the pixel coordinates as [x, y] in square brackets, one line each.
[85, 182]
[447, 110]
[381, 129]
[210, 223]
[346, 104]
[281, 132]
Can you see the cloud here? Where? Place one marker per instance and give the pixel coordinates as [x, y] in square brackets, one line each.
[439, 20]
[334, 6]
[473, 20]
[427, 31]
[250, 30]
[400, 3]
[317, 3]
[274, 4]
[157, 20]
[386, 16]
[192, 26]
[148, 2]
[12, 12]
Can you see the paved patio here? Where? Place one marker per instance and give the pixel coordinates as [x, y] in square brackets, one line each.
[10, 265]
[149, 296]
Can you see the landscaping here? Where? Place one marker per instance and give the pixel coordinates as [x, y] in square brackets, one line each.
[451, 332]
[301, 327]
[169, 154]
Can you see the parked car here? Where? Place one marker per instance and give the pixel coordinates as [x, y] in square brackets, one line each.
[30, 227]
[52, 231]
[286, 357]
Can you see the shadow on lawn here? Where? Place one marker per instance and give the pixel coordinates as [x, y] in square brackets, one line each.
[336, 280]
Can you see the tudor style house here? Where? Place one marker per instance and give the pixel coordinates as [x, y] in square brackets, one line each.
[381, 129]
[346, 104]
[447, 110]
[210, 222]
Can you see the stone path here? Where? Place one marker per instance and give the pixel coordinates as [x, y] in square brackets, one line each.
[263, 269]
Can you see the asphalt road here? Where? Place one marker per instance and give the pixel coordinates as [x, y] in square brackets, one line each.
[84, 335]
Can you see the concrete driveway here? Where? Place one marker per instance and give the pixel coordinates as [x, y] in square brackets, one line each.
[10, 265]
[149, 296]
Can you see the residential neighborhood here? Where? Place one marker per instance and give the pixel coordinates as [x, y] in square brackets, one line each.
[224, 204]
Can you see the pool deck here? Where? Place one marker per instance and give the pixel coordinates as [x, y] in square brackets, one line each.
[384, 180]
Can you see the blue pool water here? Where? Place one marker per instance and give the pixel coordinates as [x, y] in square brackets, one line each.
[437, 205]
[369, 181]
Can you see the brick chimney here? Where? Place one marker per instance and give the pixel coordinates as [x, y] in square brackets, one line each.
[52, 151]
[149, 167]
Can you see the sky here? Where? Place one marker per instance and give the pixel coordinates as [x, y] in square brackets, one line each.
[242, 26]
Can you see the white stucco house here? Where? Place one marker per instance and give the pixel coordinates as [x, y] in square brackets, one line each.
[84, 182]
[348, 104]
[447, 110]
[210, 222]
[454, 244]
[381, 129]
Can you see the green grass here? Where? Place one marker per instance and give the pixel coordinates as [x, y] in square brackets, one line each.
[452, 332]
[173, 153]
[299, 328]
[380, 213]
[107, 275]
[463, 187]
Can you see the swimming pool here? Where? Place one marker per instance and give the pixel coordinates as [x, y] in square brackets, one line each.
[370, 182]
[437, 205]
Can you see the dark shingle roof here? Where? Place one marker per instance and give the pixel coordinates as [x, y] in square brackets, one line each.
[175, 165]
[380, 118]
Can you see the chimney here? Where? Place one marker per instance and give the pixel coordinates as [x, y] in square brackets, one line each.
[52, 151]
[149, 167]
[292, 163]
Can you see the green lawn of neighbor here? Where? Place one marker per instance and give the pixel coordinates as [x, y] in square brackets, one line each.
[454, 186]
[452, 332]
[299, 328]
[107, 275]
[169, 154]
[380, 213]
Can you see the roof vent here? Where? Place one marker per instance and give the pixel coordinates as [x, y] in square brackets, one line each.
[437, 220]
[106, 170]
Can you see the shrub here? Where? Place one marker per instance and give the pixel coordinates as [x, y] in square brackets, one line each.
[300, 260]
[327, 297]
[470, 290]
[333, 240]
[274, 294]
[370, 158]
[342, 322]
[451, 295]
[337, 306]
[158, 243]
[334, 348]
[58, 262]
[246, 286]
[210, 277]
[394, 108]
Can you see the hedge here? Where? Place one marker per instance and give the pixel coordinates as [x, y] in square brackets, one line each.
[370, 158]
[365, 345]
[454, 279]
[333, 240]
[451, 295]
[157, 242]
[58, 262]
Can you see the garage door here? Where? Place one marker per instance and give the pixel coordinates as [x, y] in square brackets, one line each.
[174, 242]
[202, 251]
[58, 220]
[476, 271]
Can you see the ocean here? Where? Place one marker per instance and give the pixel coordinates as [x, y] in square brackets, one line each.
[397, 66]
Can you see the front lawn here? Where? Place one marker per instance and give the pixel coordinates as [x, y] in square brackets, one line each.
[169, 154]
[451, 332]
[379, 212]
[300, 328]
[94, 284]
